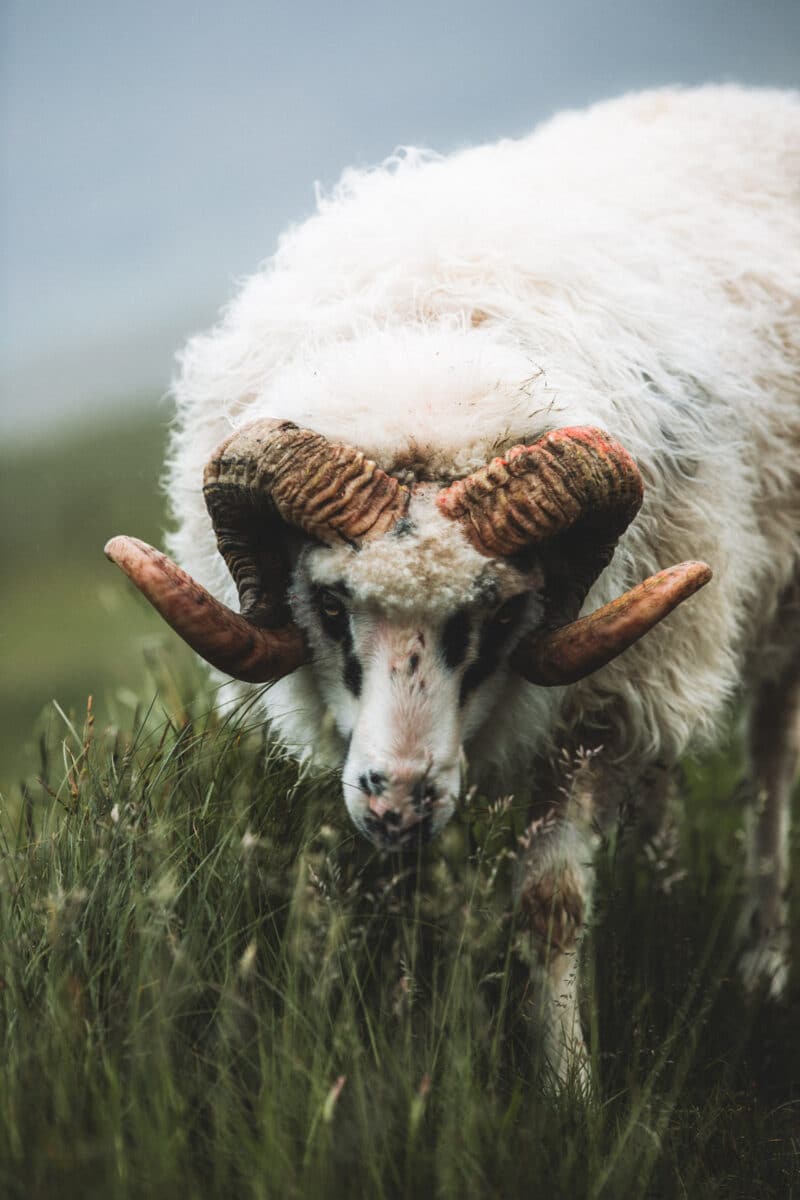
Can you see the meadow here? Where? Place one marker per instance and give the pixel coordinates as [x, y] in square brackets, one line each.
[209, 986]
[67, 627]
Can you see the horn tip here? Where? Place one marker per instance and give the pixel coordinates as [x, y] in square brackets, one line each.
[122, 549]
[116, 547]
[697, 572]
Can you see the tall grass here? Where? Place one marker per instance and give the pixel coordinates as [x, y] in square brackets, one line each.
[210, 987]
[69, 624]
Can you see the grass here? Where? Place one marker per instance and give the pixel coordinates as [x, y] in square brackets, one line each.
[69, 623]
[209, 986]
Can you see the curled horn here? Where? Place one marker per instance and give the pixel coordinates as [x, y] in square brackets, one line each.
[572, 652]
[570, 496]
[219, 635]
[259, 483]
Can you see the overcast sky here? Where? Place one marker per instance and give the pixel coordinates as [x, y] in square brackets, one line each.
[151, 153]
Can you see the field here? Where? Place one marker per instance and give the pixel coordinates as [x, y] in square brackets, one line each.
[210, 987]
[67, 626]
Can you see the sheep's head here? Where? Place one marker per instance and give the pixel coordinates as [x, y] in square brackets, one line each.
[411, 605]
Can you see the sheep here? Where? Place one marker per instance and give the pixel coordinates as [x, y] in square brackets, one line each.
[453, 437]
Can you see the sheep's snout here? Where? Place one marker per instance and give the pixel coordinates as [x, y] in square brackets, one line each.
[400, 807]
[402, 775]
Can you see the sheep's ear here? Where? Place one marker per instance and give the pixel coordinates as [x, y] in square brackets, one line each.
[574, 651]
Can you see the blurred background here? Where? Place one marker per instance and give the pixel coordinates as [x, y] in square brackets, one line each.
[150, 156]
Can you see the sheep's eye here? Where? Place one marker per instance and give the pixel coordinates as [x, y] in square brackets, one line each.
[333, 615]
[331, 605]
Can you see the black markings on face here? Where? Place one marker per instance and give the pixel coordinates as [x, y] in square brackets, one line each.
[495, 632]
[335, 621]
[455, 639]
[353, 674]
[413, 663]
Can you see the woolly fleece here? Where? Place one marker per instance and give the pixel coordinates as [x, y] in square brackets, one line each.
[634, 266]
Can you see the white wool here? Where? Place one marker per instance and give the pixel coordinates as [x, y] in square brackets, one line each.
[426, 574]
[635, 266]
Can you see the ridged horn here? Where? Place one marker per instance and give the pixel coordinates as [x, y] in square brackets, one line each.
[270, 476]
[260, 482]
[535, 493]
[569, 496]
[219, 635]
[330, 490]
[575, 650]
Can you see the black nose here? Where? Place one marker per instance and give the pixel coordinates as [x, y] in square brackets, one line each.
[373, 783]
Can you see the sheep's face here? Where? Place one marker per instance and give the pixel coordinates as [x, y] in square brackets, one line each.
[411, 636]
[410, 604]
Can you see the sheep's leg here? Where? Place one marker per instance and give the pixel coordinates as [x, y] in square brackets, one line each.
[554, 890]
[775, 757]
[554, 900]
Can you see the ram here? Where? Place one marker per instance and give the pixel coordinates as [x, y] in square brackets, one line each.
[473, 398]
